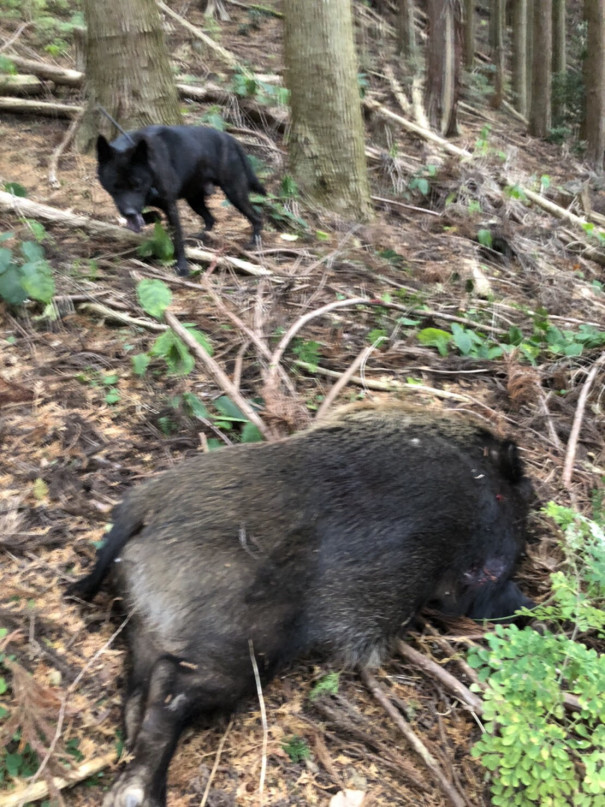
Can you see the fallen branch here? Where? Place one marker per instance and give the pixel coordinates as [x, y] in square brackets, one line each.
[373, 105]
[385, 386]
[348, 720]
[577, 421]
[252, 335]
[39, 790]
[118, 316]
[217, 759]
[60, 75]
[414, 741]
[29, 209]
[220, 377]
[293, 330]
[227, 57]
[344, 379]
[449, 681]
[21, 84]
[53, 163]
[38, 107]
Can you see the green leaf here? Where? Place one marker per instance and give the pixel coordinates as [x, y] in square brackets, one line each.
[38, 230]
[140, 363]
[229, 410]
[297, 749]
[32, 251]
[11, 288]
[113, 396]
[37, 280]
[154, 297]
[485, 238]
[195, 406]
[328, 685]
[201, 339]
[163, 344]
[6, 256]
[251, 434]
[423, 186]
[15, 188]
[435, 337]
[462, 338]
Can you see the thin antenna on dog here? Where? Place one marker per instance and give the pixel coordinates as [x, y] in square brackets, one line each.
[115, 123]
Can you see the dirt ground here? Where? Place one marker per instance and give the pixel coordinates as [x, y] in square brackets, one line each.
[78, 427]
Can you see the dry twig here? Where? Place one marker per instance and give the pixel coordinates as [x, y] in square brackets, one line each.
[429, 760]
[217, 759]
[577, 421]
[220, 377]
[53, 164]
[263, 715]
[449, 681]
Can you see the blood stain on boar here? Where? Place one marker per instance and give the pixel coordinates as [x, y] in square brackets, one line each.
[329, 540]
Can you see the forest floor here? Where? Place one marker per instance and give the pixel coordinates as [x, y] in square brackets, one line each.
[78, 427]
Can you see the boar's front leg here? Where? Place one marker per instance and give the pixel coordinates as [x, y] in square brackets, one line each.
[154, 722]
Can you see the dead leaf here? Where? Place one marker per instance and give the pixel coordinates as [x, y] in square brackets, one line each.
[347, 798]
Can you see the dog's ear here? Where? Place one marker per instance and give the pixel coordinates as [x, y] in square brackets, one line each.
[103, 149]
[140, 154]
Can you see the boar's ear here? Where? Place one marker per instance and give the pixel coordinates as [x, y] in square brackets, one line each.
[103, 149]
[508, 461]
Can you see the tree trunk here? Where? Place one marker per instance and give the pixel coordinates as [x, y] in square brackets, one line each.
[127, 68]
[443, 64]
[530, 51]
[594, 77]
[559, 60]
[499, 12]
[540, 112]
[469, 34]
[519, 49]
[406, 35]
[326, 145]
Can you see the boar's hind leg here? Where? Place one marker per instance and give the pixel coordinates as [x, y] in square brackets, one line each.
[154, 721]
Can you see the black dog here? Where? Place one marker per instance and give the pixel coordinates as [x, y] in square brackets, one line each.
[157, 165]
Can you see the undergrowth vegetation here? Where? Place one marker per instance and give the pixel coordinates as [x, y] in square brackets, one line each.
[542, 687]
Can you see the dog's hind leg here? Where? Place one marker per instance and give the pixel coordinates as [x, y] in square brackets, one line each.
[239, 199]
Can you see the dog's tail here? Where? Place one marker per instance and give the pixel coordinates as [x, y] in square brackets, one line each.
[254, 182]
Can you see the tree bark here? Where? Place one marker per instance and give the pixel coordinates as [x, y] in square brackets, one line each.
[127, 68]
[327, 156]
[540, 111]
[443, 64]
[406, 35]
[519, 51]
[559, 59]
[594, 78]
[469, 34]
[499, 12]
[530, 52]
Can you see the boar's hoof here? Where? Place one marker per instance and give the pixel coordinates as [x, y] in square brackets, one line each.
[129, 791]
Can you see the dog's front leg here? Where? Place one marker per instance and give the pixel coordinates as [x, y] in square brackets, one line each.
[172, 214]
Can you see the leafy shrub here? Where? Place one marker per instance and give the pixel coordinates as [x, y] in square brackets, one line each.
[545, 337]
[538, 750]
[155, 297]
[26, 276]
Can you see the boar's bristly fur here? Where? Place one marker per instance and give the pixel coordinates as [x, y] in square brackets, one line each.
[331, 540]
